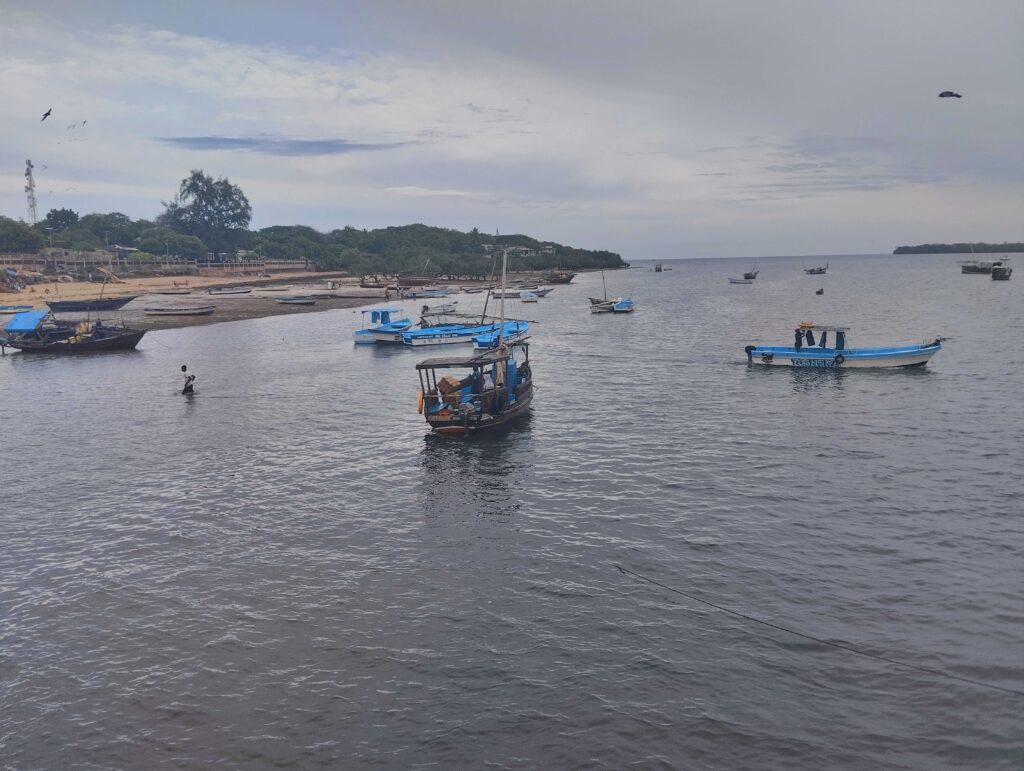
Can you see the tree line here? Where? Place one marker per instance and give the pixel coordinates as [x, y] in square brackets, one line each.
[980, 247]
[210, 216]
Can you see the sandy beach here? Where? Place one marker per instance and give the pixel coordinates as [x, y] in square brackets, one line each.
[259, 303]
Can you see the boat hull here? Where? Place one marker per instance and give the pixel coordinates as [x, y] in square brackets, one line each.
[853, 358]
[105, 304]
[124, 342]
[454, 425]
[202, 310]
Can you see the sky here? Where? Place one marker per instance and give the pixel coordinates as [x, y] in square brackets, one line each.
[657, 129]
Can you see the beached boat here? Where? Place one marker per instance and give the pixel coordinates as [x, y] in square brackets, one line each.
[95, 304]
[559, 277]
[37, 332]
[179, 310]
[740, 281]
[387, 326]
[295, 300]
[7, 311]
[826, 352]
[474, 289]
[173, 290]
[1001, 271]
[821, 270]
[751, 274]
[424, 292]
[229, 290]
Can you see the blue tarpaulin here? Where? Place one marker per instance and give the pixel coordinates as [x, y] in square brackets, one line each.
[25, 322]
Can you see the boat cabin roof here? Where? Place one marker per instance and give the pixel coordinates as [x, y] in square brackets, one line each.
[805, 325]
[26, 322]
[483, 359]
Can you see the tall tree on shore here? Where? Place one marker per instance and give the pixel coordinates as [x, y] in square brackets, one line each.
[60, 219]
[215, 211]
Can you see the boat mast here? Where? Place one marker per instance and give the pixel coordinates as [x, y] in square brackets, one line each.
[504, 265]
[604, 287]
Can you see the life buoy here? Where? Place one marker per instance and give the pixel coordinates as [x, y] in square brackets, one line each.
[419, 404]
[839, 359]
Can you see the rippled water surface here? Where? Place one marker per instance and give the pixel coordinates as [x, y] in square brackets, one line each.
[286, 571]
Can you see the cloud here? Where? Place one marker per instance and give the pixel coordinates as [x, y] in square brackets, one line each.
[276, 146]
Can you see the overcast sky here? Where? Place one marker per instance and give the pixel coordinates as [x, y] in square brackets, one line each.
[655, 129]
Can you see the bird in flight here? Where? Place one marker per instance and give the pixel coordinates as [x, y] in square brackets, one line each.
[46, 115]
[947, 94]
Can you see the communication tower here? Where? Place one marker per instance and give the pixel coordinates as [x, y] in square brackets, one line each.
[30, 189]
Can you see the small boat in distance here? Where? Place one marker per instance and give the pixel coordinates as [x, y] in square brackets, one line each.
[614, 305]
[821, 270]
[172, 290]
[1001, 271]
[559, 277]
[751, 274]
[229, 290]
[424, 292]
[740, 281]
[657, 267]
[528, 296]
[806, 352]
[96, 304]
[820, 291]
[179, 310]
[10, 310]
[976, 267]
[515, 294]
[295, 300]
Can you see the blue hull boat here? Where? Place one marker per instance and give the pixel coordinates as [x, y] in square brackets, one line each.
[511, 331]
[388, 326]
[807, 352]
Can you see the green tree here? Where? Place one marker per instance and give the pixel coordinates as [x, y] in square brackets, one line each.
[111, 229]
[215, 211]
[60, 219]
[18, 237]
[164, 241]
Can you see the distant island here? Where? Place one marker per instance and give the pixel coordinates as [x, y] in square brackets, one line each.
[978, 248]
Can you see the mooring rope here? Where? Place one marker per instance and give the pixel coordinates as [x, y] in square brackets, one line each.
[840, 646]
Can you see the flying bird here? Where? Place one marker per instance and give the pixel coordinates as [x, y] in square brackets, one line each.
[46, 115]
[947, 94]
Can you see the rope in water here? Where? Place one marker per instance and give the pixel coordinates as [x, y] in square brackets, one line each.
[840, 646]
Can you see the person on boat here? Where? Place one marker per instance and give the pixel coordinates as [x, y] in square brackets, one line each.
[189, 380]
[798, 341]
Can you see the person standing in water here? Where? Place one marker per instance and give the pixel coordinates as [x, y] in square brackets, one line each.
[189, 379]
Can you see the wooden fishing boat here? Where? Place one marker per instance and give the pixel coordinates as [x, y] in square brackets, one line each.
[741, 281]
[807, 352]
[751, 274]
[559, 277]
[37, 332]
[173, 290]
[821, 270]
[180, 310]
[95, 304]
[515, 294]
[229, 290]
[610, 305]
[10, 310]
[295, 300]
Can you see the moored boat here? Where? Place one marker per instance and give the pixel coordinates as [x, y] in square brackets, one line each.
[509, 332]
[229, 290]
[751, 274]
[515, 294]
[173, 290]
[10, 310]
[179, 310]
[610, 305]
[976, 267]
[95, 304]
[1001, 271]
[388, 326]
[808, 352]
[295, 300]
[741, 281]
[821, 270]
[37, 332]
[559, 277]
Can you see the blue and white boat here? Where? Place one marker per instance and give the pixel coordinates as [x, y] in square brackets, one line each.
[510, 332]
[447, 334]
[388, 324]
[834, 352]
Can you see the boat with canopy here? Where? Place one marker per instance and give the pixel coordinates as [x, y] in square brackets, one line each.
[387, 326]
[38, 332]
[497, 389]
[831, 349]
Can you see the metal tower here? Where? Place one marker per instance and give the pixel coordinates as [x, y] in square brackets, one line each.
[30, 188]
